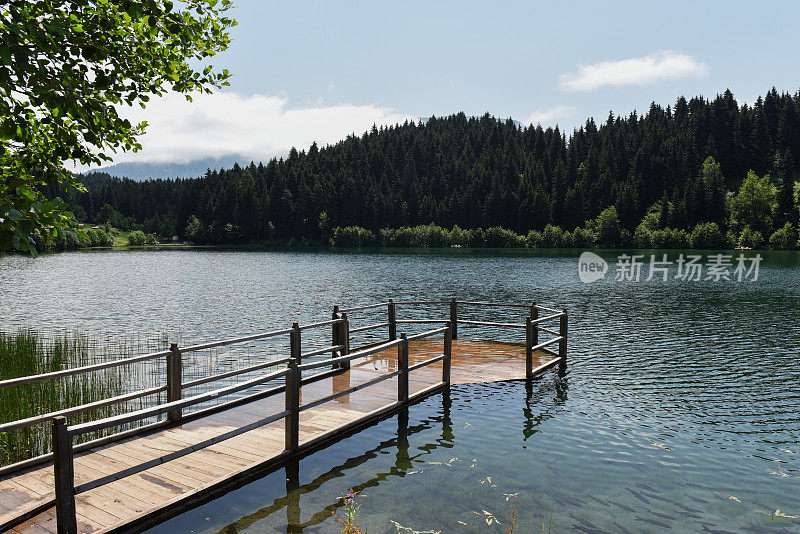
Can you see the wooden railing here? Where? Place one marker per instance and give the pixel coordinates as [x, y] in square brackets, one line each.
[174, 387]
[532, 325]
[63, 435]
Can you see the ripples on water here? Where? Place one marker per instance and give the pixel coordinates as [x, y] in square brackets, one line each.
[678, 408]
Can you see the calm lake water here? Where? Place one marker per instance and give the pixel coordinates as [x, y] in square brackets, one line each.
[678, 408]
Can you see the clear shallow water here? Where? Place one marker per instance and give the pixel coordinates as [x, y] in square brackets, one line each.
[678, 409]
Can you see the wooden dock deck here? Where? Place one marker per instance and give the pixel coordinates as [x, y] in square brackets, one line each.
[170, 470]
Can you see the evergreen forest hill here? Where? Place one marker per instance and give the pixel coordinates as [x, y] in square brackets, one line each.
[701, 173]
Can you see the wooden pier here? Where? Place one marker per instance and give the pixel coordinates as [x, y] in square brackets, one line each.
[136, 478]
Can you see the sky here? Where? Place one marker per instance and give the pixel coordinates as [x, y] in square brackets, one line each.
[318, 71]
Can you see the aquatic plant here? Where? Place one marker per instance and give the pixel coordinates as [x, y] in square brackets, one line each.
[511, 516]
[350, 521]
[28, 352]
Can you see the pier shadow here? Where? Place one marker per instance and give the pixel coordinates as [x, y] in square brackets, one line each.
[298, 520]
[403, 462]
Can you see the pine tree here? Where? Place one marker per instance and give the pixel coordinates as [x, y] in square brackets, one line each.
[786, 211]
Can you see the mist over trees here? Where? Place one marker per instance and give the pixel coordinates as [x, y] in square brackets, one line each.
[704, 171]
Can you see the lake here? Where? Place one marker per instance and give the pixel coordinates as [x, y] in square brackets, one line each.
[678, 408]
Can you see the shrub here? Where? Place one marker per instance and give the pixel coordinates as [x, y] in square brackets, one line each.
[353, 236]
[552, 237]
[670, 238]
[196, 232]
[707, 235]
[607, 228]
[784, 238]
[751, 238]
[458, 236]
[94, 238]
[580, 238]
[104, 239]
[138, 238]
[476, 237]
[83, 239]
[71, 240]
[534, 239]
[643, 237]
[498, 237]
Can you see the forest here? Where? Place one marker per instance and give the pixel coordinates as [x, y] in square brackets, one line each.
[706, 173]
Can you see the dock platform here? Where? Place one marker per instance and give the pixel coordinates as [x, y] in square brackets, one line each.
[133, 483]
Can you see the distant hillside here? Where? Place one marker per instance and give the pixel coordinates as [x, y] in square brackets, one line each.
[191, 169]
[485, 172]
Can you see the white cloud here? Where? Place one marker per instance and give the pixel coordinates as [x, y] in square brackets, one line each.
[550, 115]
[659, 66]
[256, 127]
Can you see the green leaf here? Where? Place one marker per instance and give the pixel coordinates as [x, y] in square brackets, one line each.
[14, 214]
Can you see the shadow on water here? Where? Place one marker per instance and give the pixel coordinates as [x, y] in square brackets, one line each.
[535, 391]
[399, 445]
[403, 462]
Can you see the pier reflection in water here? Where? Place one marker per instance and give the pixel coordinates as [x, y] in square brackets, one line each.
[396, 454]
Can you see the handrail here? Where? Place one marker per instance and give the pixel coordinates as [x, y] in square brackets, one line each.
[323, 350]
[121, 419]
[370, 327]
[547, 318]
[488, 323]
[498, 304]
[83, 369]
[429, 333]
[422, 302]
[30, 421]
[144, 357]
[236, 372]
[351, 356]
[548, 309]
[543, 329]
[421, 321]
[348, 391]
[425, 363]
[364, 307]
[321, 323]
[546, 343]
[211, 345]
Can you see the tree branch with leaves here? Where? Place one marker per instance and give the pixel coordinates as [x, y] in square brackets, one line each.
[67, 69]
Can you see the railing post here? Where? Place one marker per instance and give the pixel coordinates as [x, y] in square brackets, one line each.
[335, 329]
[448, 351]
[392, 321]
[344, 339]
[292, 396]
[336, 332]
[174, 380]
[63, 471]
[562, 345]
[454, 318]
[534, 316]
[294, 342]
[402, 367]
[529, 330]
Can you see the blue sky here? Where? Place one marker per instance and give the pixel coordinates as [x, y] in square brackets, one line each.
[307, 71]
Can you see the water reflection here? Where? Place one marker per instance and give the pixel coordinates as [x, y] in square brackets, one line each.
[535, 392]
[403, 463]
